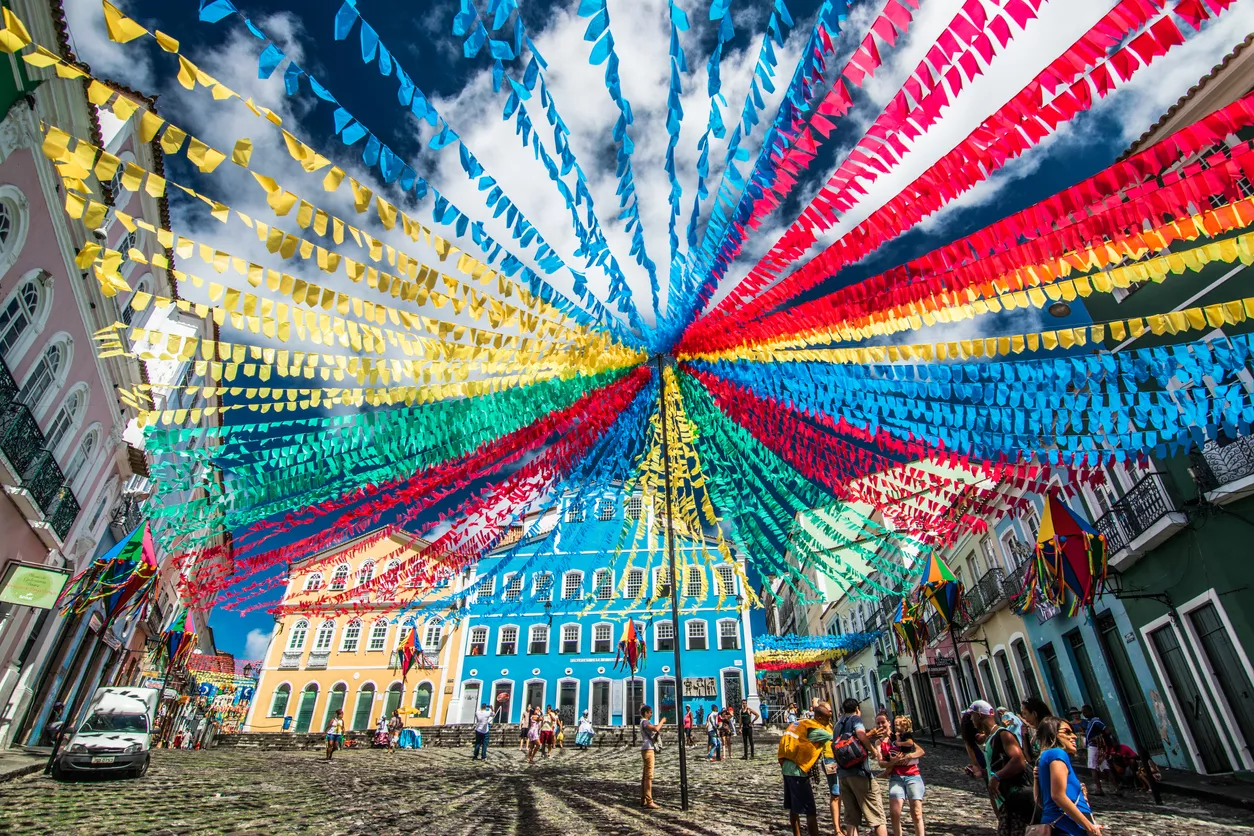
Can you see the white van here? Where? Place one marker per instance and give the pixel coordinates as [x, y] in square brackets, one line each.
[114, 738]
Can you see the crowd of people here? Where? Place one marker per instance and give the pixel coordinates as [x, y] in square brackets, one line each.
[1025, 760]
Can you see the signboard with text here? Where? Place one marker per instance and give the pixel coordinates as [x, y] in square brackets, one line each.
[32, 586]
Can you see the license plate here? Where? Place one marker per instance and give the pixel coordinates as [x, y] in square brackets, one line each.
[102, 759]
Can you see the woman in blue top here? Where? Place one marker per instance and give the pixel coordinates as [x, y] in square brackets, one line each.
[1059, 791]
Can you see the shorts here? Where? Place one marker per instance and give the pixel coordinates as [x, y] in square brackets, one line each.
[861, 799]
[1096, 761]
[906, 787]
[522, 733]
[546, 738]
[335, 738]
[798, 797]
[395, 738]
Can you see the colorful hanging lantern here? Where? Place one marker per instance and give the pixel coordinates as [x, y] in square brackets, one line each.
[1070, 556]
[941, 586]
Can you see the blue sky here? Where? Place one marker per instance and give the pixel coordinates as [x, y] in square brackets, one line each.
[420, 37]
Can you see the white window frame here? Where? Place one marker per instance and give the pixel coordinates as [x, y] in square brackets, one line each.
[633, 577]
[726, 569]
[39, 408]
[735, 633]
[487, 588]
[576, 587]
[658, 573]
[432, 635]
[658, 637]
[319, 646]
[300, 628]
[578, 639]
[512, 589]
[501, 632]
[696, 573]
[604, 590]
[486, 634]
[339, 578]
[531, 639]
[365, 573]
[36, 318]
[688, 636]
[541, 590]
[349, 643]
[313, 582]
[270, 712]
[610, 628]
[373, 636]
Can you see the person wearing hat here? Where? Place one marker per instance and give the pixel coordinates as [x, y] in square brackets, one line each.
[1009, 782]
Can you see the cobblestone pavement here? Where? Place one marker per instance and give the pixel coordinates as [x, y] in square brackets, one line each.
[238, 791]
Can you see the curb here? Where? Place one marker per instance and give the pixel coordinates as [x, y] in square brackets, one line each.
[21, 772]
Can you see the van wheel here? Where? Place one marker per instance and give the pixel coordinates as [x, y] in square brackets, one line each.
[141, 770]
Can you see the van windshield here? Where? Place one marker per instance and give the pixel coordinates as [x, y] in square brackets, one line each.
[102, 722]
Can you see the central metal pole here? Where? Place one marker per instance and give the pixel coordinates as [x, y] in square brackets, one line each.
[670, 548]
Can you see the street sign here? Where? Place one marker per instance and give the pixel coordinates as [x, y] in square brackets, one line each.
[937, 674]
[32, 586]
[943, 661]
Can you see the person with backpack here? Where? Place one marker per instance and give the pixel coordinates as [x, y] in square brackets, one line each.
[859, 788]
[1009, 779]
[800, 748]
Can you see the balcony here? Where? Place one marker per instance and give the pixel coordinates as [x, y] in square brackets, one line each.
[317, 660]
[1142, 519]
[1224, 470]
[290, 660]
[1016, 582]
[986, 597]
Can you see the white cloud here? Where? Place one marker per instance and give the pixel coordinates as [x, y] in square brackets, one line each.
[256, 644]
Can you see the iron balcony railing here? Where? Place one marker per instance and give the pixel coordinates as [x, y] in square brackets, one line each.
[8, 387]
[64, 512]
[1223, 462]
[992, 589]
[1135, 513]
[1017, 581]
[20, 438]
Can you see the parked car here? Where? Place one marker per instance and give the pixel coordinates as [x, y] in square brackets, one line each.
[115, 737]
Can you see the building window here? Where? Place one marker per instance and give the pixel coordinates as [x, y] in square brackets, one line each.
[572, 586]
[434, 629]
[42, 376]
[313, 582]
[513, 588]
[728, 634]
[726, 579]
[365, 573]
[605, 510]
[7, 224]
[479, 641]
[19, 314]
[487, 588]
[662, 582]
[325, 633]
[507, 641]
[339, 579]
[542, 586]
[296, 641]
[603, 584]
[664, 635]
[635, 507]
[694, 583]
[570, 638]
[696, 635]
[574, 511]
[352, 634]
[1026, 672]
[378, 636]
[539, 639]
[635, 582]
[126, 245]
[79, 462]
[602, 638]
[278, 703]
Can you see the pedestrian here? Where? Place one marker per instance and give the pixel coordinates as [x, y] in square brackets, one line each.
[585, 732]
[1097, 742]
[546, 731]
[726, 731]
[800, 748]
[1032, 710]
[859, 790]
[973, 742]
[712, 735]
[765, 714]
[790, 716]
[747, 718]
[900, 756]
[335, 732]
[381, 732]
[700, 715]
[559, 730]
[483, 724]
[1066, 808]
[533, 735]
[395, 724]
[688, 725]
[1008, 778]
[648, 745]
[524, 729]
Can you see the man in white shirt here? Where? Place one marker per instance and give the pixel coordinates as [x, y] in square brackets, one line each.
[483, 724]
[711, 731]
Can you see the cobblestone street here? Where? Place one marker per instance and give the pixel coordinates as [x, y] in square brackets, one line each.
[441, 790]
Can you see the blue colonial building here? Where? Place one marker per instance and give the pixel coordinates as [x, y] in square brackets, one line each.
[552, 602]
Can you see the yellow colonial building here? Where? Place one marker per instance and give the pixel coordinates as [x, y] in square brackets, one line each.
[319, 661]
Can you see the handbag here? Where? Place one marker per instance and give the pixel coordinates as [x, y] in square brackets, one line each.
[1043, 829]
